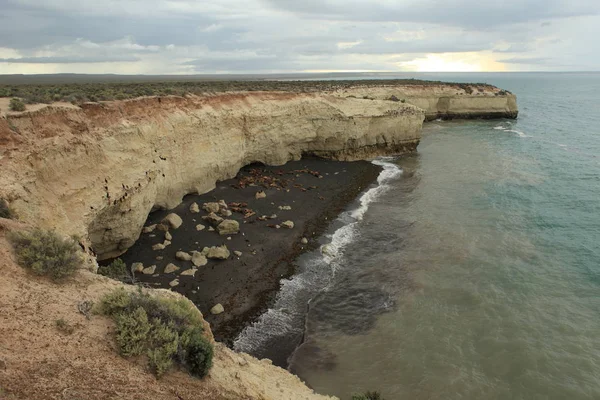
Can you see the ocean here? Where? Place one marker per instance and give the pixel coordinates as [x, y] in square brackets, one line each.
[471, 270]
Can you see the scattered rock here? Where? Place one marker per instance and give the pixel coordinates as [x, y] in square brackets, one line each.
[137, 267]
[211, 229]
[159, 258]
[285, 208]
[211, 207]
[189, 272]
[162, 227]
[219, 253]
[199, 259]
[183, 256]
[173, 220]
[218, 309]
[304, 240]
[287, 224]
[228, 227]
[226, 213]
[150, 270]
[237, 253]
[167, 243]
[194, 208]
[149, 229]
[158, 246]
[170, 268]
[200, 227]
[174, 282]
[223, 205]
[260, 195]
[213, 219]
[168, 236]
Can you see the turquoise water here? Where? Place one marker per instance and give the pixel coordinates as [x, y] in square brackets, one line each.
[476, 273]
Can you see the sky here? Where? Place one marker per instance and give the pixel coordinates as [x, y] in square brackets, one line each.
[278, 36]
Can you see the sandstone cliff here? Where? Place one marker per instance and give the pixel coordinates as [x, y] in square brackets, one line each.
[98, 171]
[446, 101]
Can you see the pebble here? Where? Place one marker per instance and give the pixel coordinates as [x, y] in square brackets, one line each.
[217, 309]
[168, 236]
[304, 241]
[237, 253]
[174, 282]
[200, 227]
[170, 268]
[150, 270]
[260, 195]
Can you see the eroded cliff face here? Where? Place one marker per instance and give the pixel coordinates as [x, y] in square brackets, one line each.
[98, 171]
[447, 101]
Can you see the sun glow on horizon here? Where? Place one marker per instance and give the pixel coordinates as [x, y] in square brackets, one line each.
[453, 62]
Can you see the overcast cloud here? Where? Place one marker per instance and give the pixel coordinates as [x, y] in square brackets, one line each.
[261, 36]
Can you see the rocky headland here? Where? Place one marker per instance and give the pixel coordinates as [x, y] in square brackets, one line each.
[97, 171]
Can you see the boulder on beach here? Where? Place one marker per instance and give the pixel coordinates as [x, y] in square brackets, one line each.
[223, 205]
[304, 240]
[158, 246]
[174, 282]
[194, 208]
[137, 267]
[168, 236]
[173, 220]
[170, 268]
[150, 270]
[225, 213]
[164, 227]
[228, 227]
[149, 229]
[238, 253]
[218, 309]
[287, 224]
[216, 252]
[183, 256]
[200, 227]
[189, 272]
[260, 195]
[213, 219]
[199, 259]
[211, 207]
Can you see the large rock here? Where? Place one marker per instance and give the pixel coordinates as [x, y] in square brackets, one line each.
[211, 207]
[199, 259]
[218, 309]
[150, 270]
[228, 227]
[137, 267]
[217, 253]
[213, 219]
[194, 208]
[170, 268]
[189, 272]
[287, 224]
[173, 220]
[183, 256]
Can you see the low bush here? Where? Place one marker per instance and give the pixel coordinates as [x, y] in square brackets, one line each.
[5, 211]
[165, 330]
[368, 396]
[115, 270]
[16, 105]
[46, 253]
[64, 326]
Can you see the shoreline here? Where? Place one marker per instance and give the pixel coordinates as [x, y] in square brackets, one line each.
[268, 254]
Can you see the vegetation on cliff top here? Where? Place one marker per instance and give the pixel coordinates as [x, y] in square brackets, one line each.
[165, 330]
[110, 90]
[5, 211]
[45, 253]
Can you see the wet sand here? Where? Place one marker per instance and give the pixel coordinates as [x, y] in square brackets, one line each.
[316, 190]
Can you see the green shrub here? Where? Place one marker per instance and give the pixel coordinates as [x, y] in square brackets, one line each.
[199, 355]
[115, 270]
[16, 105]
[166, 330]
[46, 253]
[5, 211]
[368, 396]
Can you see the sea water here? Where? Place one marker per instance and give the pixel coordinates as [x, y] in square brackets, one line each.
[471, 271]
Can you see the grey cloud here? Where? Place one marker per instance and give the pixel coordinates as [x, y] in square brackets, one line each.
[531, 60]
[68, 60]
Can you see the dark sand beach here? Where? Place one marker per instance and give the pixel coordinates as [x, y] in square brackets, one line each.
[316, 190]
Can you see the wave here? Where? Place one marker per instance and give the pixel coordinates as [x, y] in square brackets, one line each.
[315, 273]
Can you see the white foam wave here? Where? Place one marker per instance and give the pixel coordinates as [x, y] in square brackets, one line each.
[521, 134]
[287, 314]
[500, 127]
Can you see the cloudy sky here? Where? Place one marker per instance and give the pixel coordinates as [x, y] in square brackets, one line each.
[262, 36]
